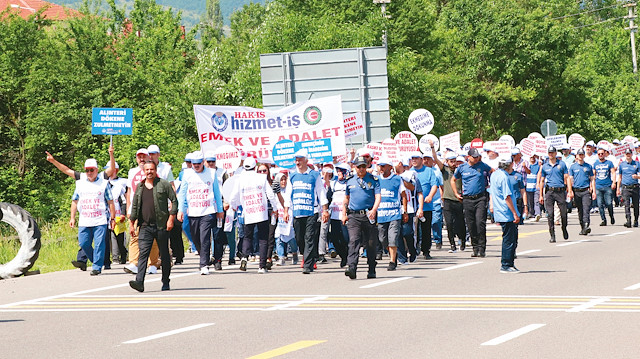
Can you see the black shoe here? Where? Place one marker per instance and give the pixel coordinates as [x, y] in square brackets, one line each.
[463, 246]
[177, 262]
[379, 256]
[427, 256]
[412, 258]
[628, 224]
[565, 234]
[552, 240]
[322, 259]
[343, 262]
[107, 266]
[306, 271]
[269, 265]
[231, 261]
[582, 233]
[95, 272]
[333, 254]
[635, 224]
[587, 230]
[80, 265]
[371, 275]
[603, 223]
[351, 273]
[243, 264]
[165, 287]
[481, 254]
[613, 221]
[438, 246]
[217, 266]
[392, 266]
[475, 253]
[139, 286]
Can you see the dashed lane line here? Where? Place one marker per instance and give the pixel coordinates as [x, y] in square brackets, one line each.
[461, 265]
[166, 334]
[514, 334]
[287, 349]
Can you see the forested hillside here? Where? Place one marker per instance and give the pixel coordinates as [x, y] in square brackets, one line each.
[484, 68]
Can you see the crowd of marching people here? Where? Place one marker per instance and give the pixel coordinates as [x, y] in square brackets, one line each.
[351, 209]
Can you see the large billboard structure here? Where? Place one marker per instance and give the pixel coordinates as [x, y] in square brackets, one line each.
[359, 75]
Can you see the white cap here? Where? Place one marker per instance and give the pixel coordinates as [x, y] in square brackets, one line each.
[249, 163]
[384, 161]
[153, 149]
[197, 157]
[515, 151]
[142, 151]
[460, 159]
[591, 143]
[428, 154]
[343, 166]
[210, 156]
[91, 163]
[416, 154]
[302, 153]
[187, 157]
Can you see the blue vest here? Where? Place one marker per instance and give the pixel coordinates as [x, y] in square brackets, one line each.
[303, 193]
[390, 203]
[533, 177]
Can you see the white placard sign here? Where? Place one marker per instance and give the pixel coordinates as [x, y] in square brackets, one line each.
[353, 125]
[541, 146]
[227, 158]
[556, 141]
[630, 139]
[509, 139]
[618, 151]
[407, 143]
[424, 143]
[376, 151]
[534, 135]
[421, 121]
[390, 149]
[451, 141]
[528, 147]
[576, 141]
[502, 148]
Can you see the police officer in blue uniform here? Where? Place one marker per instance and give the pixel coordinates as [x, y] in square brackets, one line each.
[582, 189]
[628, 174]
[503, 206]
[361, 202]
[555, 174]
[474, 176]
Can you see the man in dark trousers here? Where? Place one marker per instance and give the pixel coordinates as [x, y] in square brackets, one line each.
[154, 221]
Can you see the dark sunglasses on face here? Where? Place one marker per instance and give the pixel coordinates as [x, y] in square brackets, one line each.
[262, 171]
[89, 170]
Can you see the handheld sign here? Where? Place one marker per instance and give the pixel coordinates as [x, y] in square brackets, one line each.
[509, 139]
[451, 141]
[421, 121]
[228, 157]
[477, 143]
[111, 121]
[376, 151]
[390, 149]
[319, 150]
[556, 141]
[618, 151]
[424, 143]
[528, 147]
[534, 135]
[407, 143]
[353, 125]
[284, 154]
[576, 141]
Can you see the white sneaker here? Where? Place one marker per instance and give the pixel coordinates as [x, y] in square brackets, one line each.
[131, 269]
[262, 270]
[280, 262]
[153, 270]
[204, 271]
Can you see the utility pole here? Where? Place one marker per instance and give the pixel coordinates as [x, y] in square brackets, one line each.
[632, 28]
[383, 8]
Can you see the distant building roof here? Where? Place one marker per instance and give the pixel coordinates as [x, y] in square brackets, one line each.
[26, 8]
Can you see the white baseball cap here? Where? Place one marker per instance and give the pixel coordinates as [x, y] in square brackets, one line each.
[302, 153]
[91, 163]
[197, 157]
[249, 163]
[153, 149]
[142, 151]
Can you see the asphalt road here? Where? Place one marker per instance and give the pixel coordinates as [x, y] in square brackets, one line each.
[574, 299]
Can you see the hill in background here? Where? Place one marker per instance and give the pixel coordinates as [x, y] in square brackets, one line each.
[191, 9]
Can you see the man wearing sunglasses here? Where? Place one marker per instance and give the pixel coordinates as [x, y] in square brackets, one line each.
[361, 200]
[91, 198]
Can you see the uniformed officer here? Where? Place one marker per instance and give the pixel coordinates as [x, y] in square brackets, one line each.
[605, 173]
[474, 174]
[503, 207]
[628, 174]
[582, 189]
[555, 175]
[361, 201]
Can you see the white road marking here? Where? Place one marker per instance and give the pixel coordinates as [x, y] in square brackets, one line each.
[528, 252]
[166, 334]
[297, 303]
[461, 265]
[571, 243]
[617, 233]
[633, 287]
[384, 282]
[514, 334]
[584, 306]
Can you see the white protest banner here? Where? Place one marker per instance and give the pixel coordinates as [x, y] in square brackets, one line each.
[353, 125]
[256, 131]
[576, 141]
[421, 121]
[528, 147]
[630, 139]
[541, 146]
[390, 149]
[450, 141]
[376, 151]
[534, 135]
[424, 143]
[227, 157]
[509, 139]
[556, 140]
[502, 148]
[407, 143]
[618, 151]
